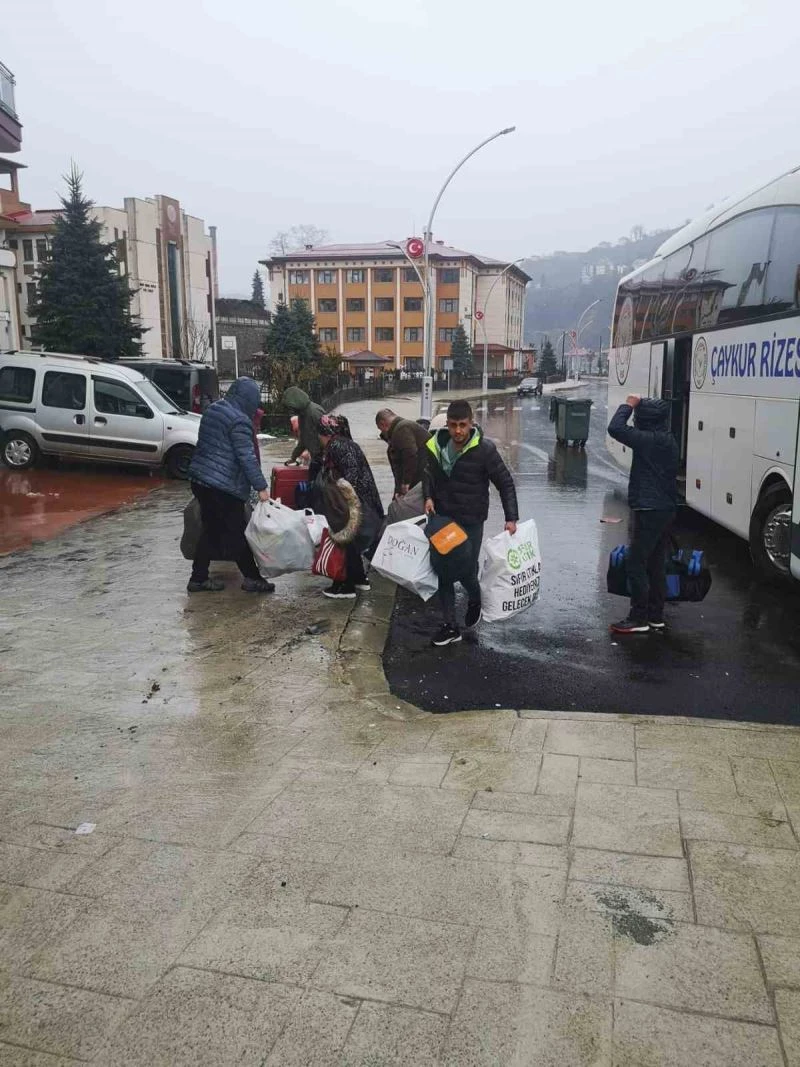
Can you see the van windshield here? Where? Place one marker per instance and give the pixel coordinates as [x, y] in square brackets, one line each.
[160, 401]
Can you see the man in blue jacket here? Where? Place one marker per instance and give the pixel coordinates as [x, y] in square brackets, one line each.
[653, 498]
[224, 468]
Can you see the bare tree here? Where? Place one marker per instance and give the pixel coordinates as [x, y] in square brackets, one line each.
[296, 238]
[196, 341]
[637, 233]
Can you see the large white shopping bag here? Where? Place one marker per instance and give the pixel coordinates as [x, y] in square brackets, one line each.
[279, 539]
[510, 570]
[403, 555]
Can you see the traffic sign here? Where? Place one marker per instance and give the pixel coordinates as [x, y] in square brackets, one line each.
[479, 315]
[414, 247]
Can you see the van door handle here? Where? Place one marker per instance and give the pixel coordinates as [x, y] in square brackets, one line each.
[79, 420]
[100, 421]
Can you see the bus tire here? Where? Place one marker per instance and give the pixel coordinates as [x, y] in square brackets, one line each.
[770, 533]
[178, 459]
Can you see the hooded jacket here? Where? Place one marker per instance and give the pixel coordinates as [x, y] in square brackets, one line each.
[654, 469]
[463, 495]
[406, 452]
[225, 455]
[308, 416]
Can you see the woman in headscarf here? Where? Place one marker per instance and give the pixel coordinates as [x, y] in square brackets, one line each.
[343, 458]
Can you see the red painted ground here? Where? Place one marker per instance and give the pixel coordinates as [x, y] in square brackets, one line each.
[36, 505]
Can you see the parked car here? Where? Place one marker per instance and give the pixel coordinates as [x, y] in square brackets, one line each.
[530, 387]
[191, 384]
[81, 408]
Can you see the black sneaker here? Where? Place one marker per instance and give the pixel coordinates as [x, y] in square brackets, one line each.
[630, 626]
[363, 587]
[340, 591]
[474, 614]
[257, 585]
[657, 624]
[210, 585]
[448, 635]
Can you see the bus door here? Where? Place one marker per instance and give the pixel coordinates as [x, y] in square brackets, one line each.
[655, 383]
[794, 560]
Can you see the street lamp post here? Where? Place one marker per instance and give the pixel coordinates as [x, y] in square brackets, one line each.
[485, 381]
[426, 406]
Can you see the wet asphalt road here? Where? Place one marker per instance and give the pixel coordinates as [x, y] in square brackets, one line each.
[735, 656]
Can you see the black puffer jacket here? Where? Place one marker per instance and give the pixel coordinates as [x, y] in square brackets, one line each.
[464, 494]
[654, 468]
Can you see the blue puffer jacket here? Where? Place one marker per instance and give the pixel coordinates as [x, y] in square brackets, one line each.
[225, 456]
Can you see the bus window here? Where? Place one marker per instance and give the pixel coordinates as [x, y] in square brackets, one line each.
[648, 297]
[783, 273]
[671, 290]
[685, 316]
[735, 270]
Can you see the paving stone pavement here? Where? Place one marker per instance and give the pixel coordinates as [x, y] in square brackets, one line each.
[290, 866]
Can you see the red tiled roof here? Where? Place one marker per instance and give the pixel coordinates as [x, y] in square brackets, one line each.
[34, 220]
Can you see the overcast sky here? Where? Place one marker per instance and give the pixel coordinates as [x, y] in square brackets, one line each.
[349, 113]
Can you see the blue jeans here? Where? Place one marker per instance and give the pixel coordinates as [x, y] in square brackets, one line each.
[447, 589]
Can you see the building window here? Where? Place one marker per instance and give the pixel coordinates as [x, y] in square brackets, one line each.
[355, 277]
[446, 333]
[448, 306]
[449, 276]
[27, 250]
[410, 275]
[384, 333]
[413, 364]
[412, 333]
[298, 277]
[13, 244]
[383, 274]
[329, 333]
[384, 303]
[326, 306]
[412, 303]
[41, 250]
[355, 303]
[326, 277]
[355, 333]
[30, 292]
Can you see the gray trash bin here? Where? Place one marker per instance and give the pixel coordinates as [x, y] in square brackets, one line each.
[571, 416]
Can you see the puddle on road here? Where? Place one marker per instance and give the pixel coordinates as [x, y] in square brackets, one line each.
[37, 505]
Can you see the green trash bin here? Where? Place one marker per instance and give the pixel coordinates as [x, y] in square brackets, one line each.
[571, 416]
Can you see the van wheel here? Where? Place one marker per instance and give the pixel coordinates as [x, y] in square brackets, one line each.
[178, 460]
[770, 533]
[20, 451]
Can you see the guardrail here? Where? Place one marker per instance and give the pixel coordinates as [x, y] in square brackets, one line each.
[7, 83]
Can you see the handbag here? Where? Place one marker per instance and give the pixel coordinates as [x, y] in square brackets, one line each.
[330, 560]
[452, 553]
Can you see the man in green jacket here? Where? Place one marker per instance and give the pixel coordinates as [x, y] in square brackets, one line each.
[406, 451]
[308, 416]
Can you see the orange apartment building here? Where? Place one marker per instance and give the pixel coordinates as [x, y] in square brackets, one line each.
[368, 297]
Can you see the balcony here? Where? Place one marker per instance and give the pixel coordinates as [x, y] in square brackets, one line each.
[10, 126]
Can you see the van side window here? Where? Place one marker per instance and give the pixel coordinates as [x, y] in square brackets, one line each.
[175, 383]
[63, 390]
[16, 384]
[116, 398]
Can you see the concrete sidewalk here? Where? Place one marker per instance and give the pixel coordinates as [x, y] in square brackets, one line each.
[290, 866]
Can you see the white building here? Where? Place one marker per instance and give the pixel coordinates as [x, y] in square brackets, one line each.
[166, 254]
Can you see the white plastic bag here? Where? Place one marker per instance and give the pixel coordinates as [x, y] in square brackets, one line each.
[279, 539]
[403, 555]
[510, 570]
[316, 524]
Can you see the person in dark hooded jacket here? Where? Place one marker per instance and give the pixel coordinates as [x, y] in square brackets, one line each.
[224, 469]
[308, 415]
[652, 498]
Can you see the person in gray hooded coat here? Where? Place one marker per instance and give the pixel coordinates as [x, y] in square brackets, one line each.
[224, 469]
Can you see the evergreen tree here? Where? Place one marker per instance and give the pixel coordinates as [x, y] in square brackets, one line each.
[460, 351]
[258, 290]
[279, 340]
[291, 335]
[306, 339]
[82, 304]
[546, 366]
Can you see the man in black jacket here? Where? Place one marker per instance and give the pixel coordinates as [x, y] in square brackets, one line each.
[461, 463]
[652, 497]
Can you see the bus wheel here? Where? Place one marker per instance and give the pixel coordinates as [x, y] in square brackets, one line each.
[770, 532]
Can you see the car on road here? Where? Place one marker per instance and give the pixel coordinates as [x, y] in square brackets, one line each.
[191, 384]
[530, 387]
[81, 408]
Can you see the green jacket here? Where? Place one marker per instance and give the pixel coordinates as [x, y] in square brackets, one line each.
[308, 416]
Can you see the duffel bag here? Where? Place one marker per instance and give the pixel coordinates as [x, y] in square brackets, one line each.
[688, 577]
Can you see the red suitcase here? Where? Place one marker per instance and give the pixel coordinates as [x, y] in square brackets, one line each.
[283, 483]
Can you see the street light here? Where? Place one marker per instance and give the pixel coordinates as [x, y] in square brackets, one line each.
[426, 406]
[485, 381]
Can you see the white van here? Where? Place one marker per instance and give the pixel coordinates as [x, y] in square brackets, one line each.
[86, 409]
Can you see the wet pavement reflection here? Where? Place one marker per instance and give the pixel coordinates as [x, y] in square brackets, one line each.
[39, 504]
[736, 655]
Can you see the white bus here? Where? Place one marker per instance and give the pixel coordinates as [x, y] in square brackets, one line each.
[712, 324]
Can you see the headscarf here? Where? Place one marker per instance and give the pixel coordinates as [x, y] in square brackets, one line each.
[334, 426]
